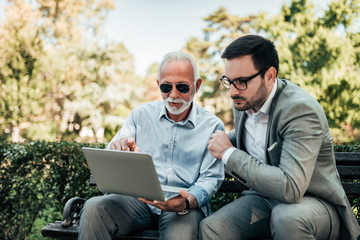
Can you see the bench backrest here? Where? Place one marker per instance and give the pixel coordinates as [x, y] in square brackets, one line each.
[347, 163]
[348, 166]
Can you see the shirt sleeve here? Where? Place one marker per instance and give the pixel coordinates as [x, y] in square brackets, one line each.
[127, 130]
[227, 154]
[210, 177]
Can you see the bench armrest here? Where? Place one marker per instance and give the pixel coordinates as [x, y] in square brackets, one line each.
[71, 212]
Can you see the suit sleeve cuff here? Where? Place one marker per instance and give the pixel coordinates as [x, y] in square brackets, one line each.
[227, 154]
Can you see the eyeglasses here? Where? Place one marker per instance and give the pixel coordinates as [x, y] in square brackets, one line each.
[239, 83]
[181, 87]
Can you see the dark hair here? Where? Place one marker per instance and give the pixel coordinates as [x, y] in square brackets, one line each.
[262, 50]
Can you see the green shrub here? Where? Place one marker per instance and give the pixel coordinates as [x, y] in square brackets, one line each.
[347, 148]
[37, 176]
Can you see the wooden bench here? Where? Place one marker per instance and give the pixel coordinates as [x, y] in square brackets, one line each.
[348, 165]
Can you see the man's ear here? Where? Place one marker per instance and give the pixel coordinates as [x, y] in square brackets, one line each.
[198, 84]
[270, 76]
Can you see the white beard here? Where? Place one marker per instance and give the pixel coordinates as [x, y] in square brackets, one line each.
[175, 110]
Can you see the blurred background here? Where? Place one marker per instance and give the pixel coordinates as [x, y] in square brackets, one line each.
[73, 70]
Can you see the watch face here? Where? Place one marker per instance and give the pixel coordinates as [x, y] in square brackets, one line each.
[183, 212]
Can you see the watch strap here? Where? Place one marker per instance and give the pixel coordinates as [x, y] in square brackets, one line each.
[187, 208]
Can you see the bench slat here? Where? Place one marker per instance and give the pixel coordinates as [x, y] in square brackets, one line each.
[352, 189]
[235, 186]
[347, 158]
[349, 172]
[55, 230]
[232, 186]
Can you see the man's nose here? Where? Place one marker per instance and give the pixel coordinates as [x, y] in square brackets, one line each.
[174, 92]
[233, 91]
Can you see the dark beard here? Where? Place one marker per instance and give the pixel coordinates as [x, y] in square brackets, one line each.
[259, 101]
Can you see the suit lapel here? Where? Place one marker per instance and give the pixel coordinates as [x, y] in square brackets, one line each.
[240, 117]
[280, 86]
[239, 135]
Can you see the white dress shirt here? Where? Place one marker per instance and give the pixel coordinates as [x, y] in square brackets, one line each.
[254, 133]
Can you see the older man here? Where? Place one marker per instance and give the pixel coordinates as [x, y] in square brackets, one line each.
[175, 131]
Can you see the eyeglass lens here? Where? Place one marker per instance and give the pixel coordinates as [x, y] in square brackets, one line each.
[239, 84]
[182, 87]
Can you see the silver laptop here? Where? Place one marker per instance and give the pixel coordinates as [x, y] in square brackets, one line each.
[126, 173]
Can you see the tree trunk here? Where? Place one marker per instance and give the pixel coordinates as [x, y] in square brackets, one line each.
[15, 134]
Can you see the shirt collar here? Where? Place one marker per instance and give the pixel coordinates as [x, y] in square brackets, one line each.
[266, 106]
[190, 121]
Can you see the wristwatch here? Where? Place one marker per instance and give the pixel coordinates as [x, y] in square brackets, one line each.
[187, 208]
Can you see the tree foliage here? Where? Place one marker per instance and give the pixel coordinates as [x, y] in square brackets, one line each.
[58, 81]
[21, 48]
[93, 90]
[318, 50]
[65, 21]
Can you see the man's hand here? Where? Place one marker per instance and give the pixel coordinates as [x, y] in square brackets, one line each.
[125, 144]
[218, 144]
[175, 204]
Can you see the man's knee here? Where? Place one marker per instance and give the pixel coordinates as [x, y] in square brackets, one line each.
[173, 226]
[214, 228]
[181, 231]
[206, 225]
[281, 216]
[292, 221]
[92, 207]
[284, 223]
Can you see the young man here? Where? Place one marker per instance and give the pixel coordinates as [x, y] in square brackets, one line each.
[281, 148]
[176, 132]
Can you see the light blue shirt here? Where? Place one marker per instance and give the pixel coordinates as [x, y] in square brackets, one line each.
[179, 149]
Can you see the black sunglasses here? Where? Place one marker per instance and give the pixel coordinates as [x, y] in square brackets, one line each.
[181, 87]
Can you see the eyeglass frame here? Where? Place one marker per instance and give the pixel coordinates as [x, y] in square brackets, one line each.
[240, 79]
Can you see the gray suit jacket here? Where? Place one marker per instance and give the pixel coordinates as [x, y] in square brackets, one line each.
[300, 155]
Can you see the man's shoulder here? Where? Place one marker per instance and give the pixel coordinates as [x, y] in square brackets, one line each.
[149, 108]
[293, 96]
[206, 114]
[203, 111]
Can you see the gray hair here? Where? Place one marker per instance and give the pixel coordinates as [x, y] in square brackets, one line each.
[178, 56]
